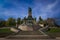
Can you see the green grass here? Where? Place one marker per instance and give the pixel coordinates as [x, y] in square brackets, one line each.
[54, 30]
[5, 32]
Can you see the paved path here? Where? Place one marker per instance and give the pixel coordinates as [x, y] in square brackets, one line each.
[4, 27]
[27, 39]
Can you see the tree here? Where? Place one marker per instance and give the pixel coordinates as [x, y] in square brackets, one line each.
[35, 19]
[2, 23]
[40, 20]
[11, 22]
[22, 21]
[50, 21]
[18, 21]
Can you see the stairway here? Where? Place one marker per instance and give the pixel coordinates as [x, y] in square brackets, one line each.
[28, 35]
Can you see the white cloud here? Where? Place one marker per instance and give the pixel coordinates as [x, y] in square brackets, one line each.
[39, 9]
[45, 10]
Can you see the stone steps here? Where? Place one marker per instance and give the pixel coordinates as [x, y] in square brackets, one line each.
[29, 37]
[29, 33]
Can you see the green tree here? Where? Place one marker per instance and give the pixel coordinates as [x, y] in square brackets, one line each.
[11, 22]
[18, 21]
[40, 20]
[35, 19]
[22, 21]
[2, 23]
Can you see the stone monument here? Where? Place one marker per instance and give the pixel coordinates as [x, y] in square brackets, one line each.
[29, 29]
[29, 20]
[29, 24]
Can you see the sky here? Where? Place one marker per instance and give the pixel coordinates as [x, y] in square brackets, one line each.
[19, 8]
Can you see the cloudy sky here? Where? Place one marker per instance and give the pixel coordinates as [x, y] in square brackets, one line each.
[19, 8]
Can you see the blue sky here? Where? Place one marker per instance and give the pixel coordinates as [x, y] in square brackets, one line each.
[19, 8]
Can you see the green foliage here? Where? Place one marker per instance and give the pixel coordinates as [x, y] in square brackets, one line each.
[19, 21]
[11, 22]
[35, 19]
[5, 30]
[22, 21]
[2, 23]
[40, 19]
[54, 30]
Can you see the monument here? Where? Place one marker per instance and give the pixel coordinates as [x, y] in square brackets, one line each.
[29, 24]
[29, 20]
[29, 30]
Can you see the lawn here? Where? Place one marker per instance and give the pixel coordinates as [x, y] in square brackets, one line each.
[5, 32]
[54, 32]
